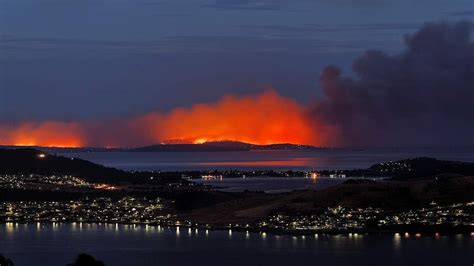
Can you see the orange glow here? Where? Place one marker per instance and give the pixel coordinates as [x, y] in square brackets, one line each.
[264, 118]
[200, 141]
[47, 134]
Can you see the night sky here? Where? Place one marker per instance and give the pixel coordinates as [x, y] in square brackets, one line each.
[69, 60]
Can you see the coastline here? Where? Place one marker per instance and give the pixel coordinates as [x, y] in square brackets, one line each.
[403, 231]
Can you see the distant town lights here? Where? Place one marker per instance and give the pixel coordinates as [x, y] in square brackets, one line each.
[41, 155]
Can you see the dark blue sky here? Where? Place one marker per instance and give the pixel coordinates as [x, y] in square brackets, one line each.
[70, 59]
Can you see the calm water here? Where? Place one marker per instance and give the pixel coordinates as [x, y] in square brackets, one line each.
[51, 245]
[302, 160]
[271, 184]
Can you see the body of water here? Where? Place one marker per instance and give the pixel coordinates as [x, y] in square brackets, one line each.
[272, 184]
[123, 245]
[255, 160]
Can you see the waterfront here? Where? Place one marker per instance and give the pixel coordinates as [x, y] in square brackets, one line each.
[257, 160]
[154, 212]
[58, 244]
[272, 184]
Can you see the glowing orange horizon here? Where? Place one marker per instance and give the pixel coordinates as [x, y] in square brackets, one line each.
[265, 118]
[46, 134]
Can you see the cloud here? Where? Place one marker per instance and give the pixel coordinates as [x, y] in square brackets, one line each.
[320, 28]
[422, 96]
[179, 44]
[265, 5]
[464, 13]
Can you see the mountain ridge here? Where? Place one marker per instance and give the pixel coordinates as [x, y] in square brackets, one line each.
[178, 146]
[221, 146]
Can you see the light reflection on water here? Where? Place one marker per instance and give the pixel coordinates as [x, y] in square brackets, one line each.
[114, 243]
[397, 242]
[278, 160]
[303, 162]
[272, 184]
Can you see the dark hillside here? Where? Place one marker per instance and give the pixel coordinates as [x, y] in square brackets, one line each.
[31, 161]
[421, 167]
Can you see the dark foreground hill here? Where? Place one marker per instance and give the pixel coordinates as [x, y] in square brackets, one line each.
[421, 167]
[389, 195]
[31, 161]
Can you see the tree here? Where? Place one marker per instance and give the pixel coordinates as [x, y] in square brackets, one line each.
[5, 261]
[86, 260]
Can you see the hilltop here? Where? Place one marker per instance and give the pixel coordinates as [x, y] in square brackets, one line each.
[178, 146]
[220, 146]
[32, 161]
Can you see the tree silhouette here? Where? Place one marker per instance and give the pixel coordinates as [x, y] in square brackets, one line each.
[85, 260]
[5, 261]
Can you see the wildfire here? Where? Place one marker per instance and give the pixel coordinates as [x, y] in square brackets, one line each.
[200, 141]
[262, 119]
[265, 118]
[47, 134]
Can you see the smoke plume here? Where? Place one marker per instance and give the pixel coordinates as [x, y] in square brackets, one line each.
[422, 96]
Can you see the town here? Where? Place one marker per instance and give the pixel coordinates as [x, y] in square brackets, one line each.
[143, 211]
[99, 210]
[341, 219]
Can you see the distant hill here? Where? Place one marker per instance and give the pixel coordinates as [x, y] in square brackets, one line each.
[177, 146]
[220, 146]
[422, 167]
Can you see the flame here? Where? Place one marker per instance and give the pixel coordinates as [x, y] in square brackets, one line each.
[264, 118]
[200, 141]
[47, 134]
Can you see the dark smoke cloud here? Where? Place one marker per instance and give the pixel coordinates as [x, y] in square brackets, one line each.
[422, 96]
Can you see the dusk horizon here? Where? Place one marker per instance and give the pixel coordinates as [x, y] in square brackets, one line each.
[360, 111]
[236, 132]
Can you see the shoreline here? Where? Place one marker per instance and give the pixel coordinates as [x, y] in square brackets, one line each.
[403, 231]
